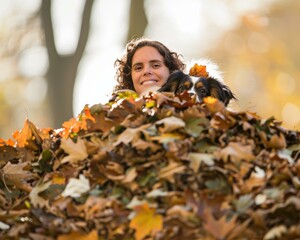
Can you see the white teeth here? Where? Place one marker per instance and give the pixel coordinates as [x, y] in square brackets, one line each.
[148, 82]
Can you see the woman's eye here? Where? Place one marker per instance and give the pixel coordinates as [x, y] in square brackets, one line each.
[137, 68]
[156, 65]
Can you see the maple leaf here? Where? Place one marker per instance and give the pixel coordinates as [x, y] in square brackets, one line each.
[77, 151]
[146, 221]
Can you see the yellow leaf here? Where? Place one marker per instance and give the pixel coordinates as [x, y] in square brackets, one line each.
[146, 221]
[150, 104]
[79, 236]
[213, 104]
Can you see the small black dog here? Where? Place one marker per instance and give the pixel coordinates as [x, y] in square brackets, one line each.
[179, 82]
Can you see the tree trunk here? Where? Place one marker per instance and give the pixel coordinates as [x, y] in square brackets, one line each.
[137, 20]
[62, 69]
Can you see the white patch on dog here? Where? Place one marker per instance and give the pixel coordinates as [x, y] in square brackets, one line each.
[211, 67]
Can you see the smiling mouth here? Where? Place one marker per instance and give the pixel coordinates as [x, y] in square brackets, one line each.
[151, 81]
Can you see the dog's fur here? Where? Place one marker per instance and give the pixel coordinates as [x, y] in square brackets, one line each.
[179, 82]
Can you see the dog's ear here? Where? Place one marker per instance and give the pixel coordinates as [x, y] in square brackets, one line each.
[228, 94]
[177, 82]
[220, 91]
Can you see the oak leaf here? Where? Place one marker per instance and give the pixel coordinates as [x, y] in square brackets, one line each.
[219, 228]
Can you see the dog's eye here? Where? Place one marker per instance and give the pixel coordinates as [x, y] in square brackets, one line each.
[202, 90]
[182, 88]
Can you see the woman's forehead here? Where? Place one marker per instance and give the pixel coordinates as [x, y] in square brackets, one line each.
[146, 53]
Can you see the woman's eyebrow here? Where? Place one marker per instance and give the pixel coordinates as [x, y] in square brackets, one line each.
[151, 62]
[155, 61]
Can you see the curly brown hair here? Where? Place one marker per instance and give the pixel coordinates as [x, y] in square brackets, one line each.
[123, 66]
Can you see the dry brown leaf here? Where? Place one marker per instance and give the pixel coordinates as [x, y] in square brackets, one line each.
[236, 152]
[77, 151]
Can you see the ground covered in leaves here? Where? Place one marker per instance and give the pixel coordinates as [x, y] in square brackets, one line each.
[155, 167]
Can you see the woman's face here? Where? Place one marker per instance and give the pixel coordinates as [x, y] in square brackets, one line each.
[148, 70]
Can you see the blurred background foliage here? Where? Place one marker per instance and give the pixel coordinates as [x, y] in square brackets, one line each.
[56, 56]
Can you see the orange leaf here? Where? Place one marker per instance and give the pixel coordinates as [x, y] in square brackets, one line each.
[23, 135]
[146, 221]
[29, 133]
[79, 236]
[2, 142]
[74, 125]
[198, 71]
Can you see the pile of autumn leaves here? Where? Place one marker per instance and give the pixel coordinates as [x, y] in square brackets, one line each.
[154, 167]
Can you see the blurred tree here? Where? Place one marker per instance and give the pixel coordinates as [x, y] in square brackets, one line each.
[62, 69]
[137, 19]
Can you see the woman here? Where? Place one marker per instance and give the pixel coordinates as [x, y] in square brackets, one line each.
[146, 64]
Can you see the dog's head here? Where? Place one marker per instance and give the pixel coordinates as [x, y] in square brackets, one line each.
[202, 87]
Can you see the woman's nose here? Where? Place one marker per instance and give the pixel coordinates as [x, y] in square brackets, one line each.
[147, 70]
